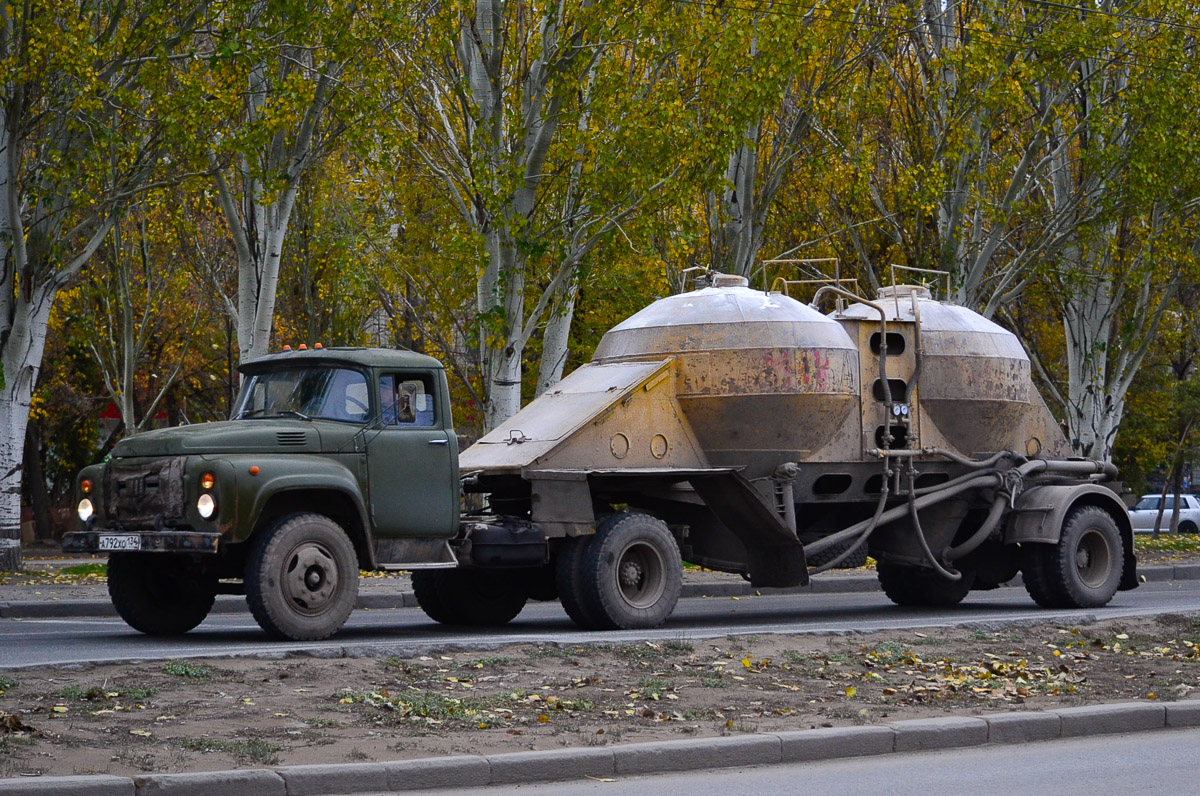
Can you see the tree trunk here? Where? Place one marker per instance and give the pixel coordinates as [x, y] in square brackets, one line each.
[35, 482]
[556, 339]
[22, 359]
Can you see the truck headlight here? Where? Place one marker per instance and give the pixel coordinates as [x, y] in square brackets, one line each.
[206, 506]
[86, 510]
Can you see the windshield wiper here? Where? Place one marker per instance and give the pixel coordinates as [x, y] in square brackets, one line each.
[294, 412]
[250, 413]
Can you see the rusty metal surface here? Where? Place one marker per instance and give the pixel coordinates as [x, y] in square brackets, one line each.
[975, 391]
[720, 318]
[761, 378]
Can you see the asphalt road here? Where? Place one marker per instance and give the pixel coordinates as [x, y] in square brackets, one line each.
[1142, 763]
[40, 642]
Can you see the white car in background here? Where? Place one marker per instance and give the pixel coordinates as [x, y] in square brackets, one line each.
[1144, 512]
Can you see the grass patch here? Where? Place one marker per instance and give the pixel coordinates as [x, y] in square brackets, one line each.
[714, 682]
[795, 656]
[649, 650]
[553, 651]
[1166, 542]
[7, 683]
[250, 750]
[96, 693]
[86, 570]
[194, 671]
[483, 663]
[322, 723]
[678, 646]
[650, 688]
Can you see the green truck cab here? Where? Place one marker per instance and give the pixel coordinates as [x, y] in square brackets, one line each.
[335, 460]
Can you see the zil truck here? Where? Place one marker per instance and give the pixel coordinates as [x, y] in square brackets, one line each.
[740, 430]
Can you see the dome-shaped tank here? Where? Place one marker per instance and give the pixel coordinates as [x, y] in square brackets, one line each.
[974, 382]
[762, 378]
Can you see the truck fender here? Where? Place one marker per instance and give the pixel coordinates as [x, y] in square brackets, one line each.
[281, 476]
[1039, 513]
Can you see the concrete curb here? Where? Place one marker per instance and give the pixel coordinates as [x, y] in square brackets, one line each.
[229, 604]
[634, 759]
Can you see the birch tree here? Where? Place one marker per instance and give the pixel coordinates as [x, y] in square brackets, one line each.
[143, 312]
[290, 102]
[78, 138]
[949, 137]
[797, 64]
[1123, 153]
[551, 126]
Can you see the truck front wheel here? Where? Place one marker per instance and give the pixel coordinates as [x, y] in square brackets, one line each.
[1083, 570]
[631, 573]
[159, 594]
[302, 578]
[468, 597]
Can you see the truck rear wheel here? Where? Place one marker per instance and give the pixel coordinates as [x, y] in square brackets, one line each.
[468, 597]
[302, 578]
[568, 570]
[159, 594]
[919, 586]
[631, 573]
[1083, 570]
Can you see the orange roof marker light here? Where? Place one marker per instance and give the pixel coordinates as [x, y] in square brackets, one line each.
[303, 347]
[317, 345]
[287, 348]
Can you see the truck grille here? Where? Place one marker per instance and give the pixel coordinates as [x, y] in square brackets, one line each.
[137, 493]
[291, 437]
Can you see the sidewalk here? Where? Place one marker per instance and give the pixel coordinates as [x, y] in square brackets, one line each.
[611, 762]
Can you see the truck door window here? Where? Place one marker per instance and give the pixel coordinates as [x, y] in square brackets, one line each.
[406, 400]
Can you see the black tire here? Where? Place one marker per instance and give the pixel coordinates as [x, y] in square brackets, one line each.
[920, 586]
[481, 598]
[1083, 570]
[302, 578]
[1187, 526]
[856, 559]
[631, 573]
[538, 583]
[158, 593]
[568, 569]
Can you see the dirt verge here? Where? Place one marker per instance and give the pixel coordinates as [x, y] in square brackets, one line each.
[206, 715]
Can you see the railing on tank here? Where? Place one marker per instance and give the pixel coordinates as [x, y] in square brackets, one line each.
[938, 275]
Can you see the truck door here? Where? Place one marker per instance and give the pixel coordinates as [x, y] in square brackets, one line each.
[412, 458]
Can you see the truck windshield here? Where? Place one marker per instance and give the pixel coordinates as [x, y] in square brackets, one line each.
[311, 392]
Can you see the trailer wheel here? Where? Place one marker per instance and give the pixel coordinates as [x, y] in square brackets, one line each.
[631, 573]
[159, 594]
[919, 586]
[468, 597]
[302, 578]
[1083, 569]
[853, 561]
[568, 569]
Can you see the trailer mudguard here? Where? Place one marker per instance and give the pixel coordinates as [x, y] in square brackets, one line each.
[1039, 513]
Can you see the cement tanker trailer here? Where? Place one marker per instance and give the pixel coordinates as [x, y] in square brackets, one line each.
[750, 433]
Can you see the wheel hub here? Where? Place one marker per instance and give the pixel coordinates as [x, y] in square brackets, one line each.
[1093, 558]
[631, 574]
[641, 575]
[310, 578]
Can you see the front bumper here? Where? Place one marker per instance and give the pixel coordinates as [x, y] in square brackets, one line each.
[150, 541]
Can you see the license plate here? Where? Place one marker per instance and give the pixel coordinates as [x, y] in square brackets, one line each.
[123, 542]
